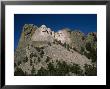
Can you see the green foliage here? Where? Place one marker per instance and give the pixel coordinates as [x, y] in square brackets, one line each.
[94, 57]
[69, 31]
[33, 71]
[92, 54]
[64, 45]
[49, 43]
[42, 48]
[19, 72]
[47, 59]
[39, 59]
[15, 65]
[62, 69]
[55, 41]
[74, 49]
[51, 33]
[59, 42]
[25, 73]
[25, 59]
[82, 50]
[90, 70]
[50, 66]
[19, 62]
[75, 68]
[83, 38]
[31, 62]
[67, 46]
[38, 49]
[87, 55]
[42, 72]
[88, 46]
[33, 55]
[41, 53]
[95, 38]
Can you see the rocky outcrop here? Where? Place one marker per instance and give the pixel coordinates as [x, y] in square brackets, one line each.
[39, 47]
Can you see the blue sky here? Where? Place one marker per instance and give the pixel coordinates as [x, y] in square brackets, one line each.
[84, 22]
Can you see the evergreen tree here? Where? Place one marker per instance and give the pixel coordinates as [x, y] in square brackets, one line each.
[90, 70]
[19, 72]
[33, 71]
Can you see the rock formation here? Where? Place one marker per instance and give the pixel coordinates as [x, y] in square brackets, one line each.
[40, 49]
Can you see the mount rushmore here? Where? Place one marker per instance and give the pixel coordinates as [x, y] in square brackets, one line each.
[43, 52]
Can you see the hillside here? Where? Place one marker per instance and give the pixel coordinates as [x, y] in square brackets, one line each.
[43, 52]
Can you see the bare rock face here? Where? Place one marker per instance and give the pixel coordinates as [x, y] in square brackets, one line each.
[27, 32]
[41, 50]
[43, 34]
[46, 34]
[63, 36]
[77, 40]
[25, 40]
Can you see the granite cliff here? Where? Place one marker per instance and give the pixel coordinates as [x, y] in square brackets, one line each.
[44, 52]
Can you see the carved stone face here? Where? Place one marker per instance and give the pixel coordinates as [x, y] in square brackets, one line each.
[43, 28]
[62, 36]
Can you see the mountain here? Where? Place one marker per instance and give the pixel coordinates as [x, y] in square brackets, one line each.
[44, 52]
